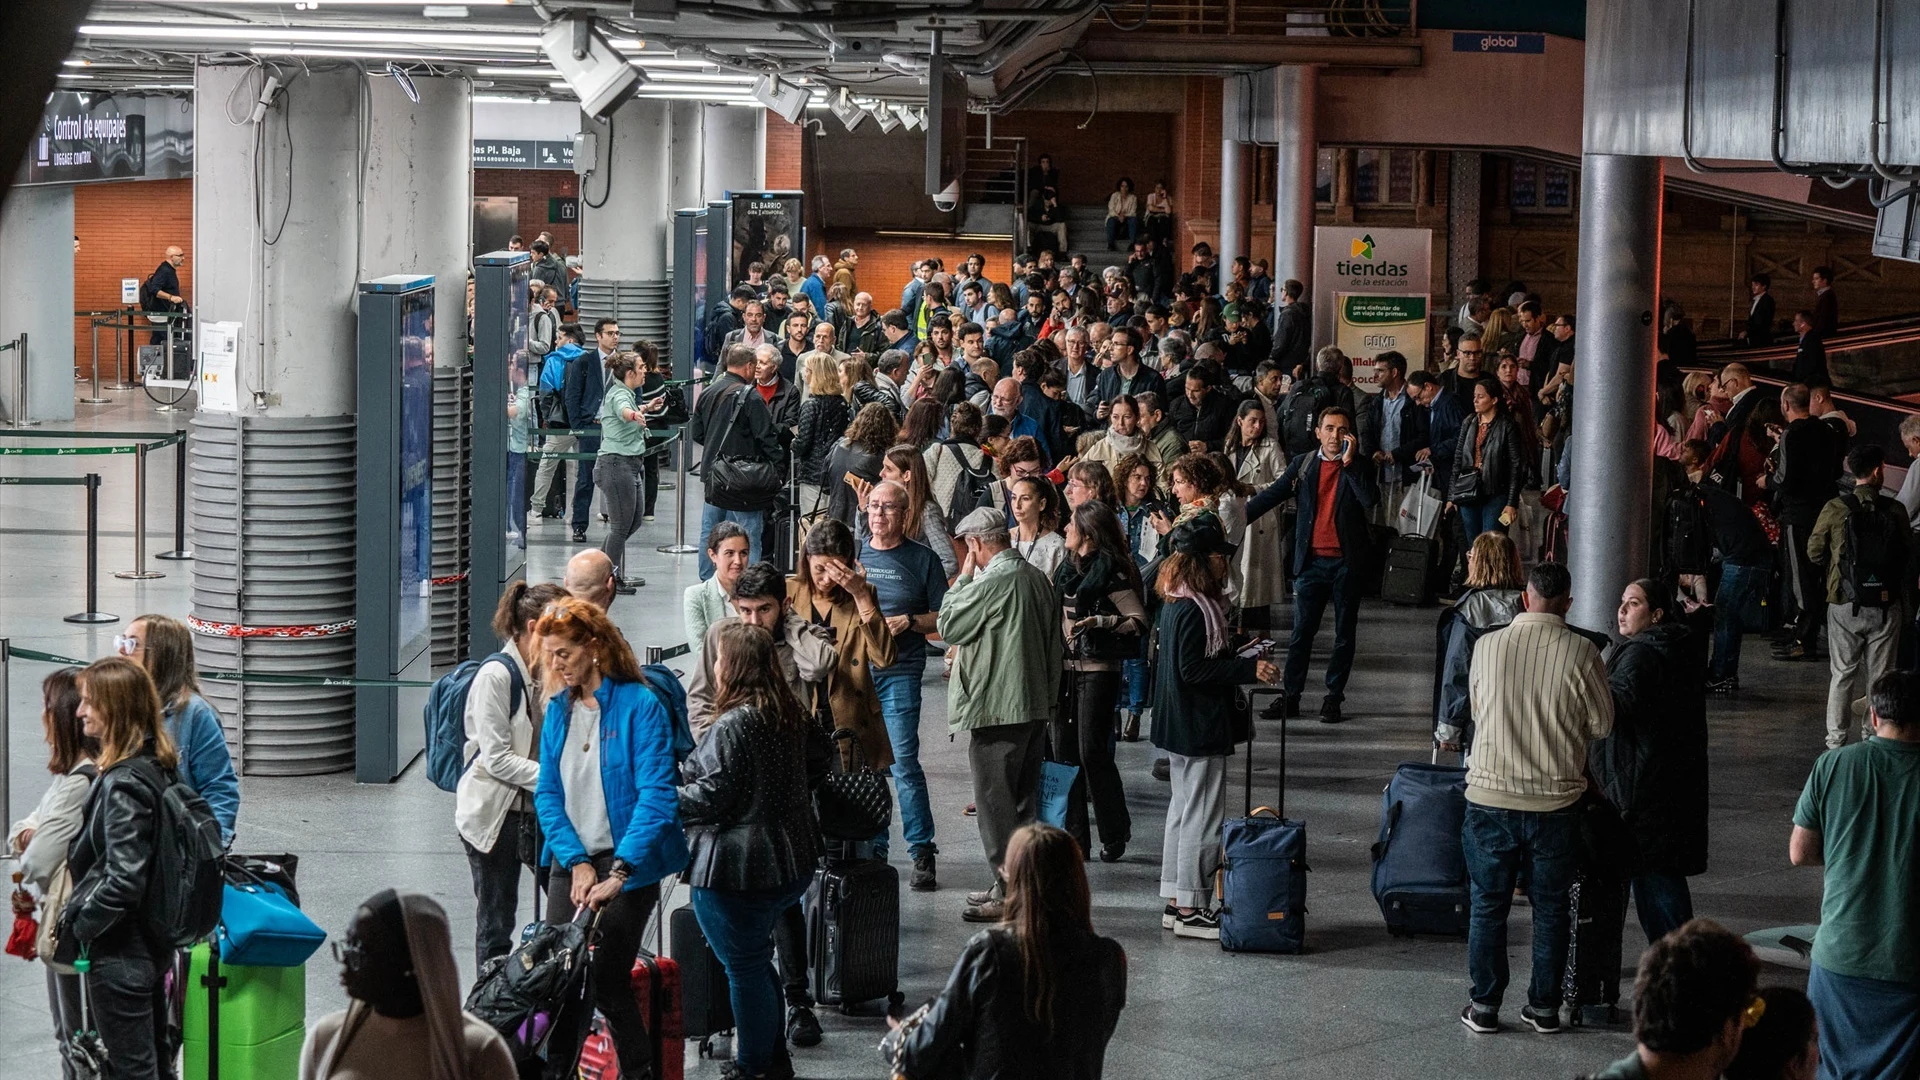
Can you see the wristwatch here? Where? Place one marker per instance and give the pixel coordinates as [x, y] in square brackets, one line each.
[620, 869]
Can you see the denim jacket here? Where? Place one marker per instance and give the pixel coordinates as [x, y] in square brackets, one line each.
[637, 773]
[206, 766]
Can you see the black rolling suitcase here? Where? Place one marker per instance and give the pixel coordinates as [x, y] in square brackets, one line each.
[1408, 576]
[853, 933]
[706, 1007]
[1597, 914]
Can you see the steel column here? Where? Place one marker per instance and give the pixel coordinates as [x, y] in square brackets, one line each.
[1296, 158]
[1612, 436]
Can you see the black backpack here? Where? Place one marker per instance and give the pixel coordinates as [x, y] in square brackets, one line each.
[971, 491]
[188, 871]
[1298, 413]
[1875, 558]
[1689, 539]
[524, 994]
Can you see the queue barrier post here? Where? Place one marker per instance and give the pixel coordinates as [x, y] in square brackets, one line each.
[6, 727]
[139, 571]
[660, 654]
[125, 353]
[94, 325]
[680, 545]
[181, 552]
[93, 614]
[19, 347]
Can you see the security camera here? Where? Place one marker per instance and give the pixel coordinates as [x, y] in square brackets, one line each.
[949, 198]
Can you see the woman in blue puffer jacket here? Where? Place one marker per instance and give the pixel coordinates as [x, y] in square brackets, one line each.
[609, 807]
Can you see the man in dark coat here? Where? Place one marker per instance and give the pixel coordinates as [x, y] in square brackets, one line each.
[1293, 331]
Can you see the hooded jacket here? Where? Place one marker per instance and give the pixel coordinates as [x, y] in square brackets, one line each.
[1653, 767]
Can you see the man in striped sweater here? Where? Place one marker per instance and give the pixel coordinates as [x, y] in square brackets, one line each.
[1540, 696]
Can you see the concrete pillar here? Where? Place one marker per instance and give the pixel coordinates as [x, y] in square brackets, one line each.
[687, 123]
[624, 211]
[1612, 441]
[289, 282]
[418, 209]
[36, 298]
[734, 151]
[1233, 201]
[1296, 94]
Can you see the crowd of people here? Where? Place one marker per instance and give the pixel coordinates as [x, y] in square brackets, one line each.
[1079, 498]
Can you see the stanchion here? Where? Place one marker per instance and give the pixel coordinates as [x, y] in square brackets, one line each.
[680, 545]
[181, 552]
[19, 347]
[96, 399]
[93, 614]
[139, 571]
[125, 353]
[6, 727]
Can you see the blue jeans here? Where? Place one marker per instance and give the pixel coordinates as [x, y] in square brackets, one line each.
[1485, 517]
[739, 925]
[1500, 844]
[899, 690]
[1138, 681]
[1741, 588]
[1323, 579]
[754, 521]
[1663, 902]
[1869, 1028]
[1115, 227]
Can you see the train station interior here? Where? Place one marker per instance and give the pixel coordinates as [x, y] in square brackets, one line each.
[282, 288]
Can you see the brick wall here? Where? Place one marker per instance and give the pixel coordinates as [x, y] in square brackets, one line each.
[124, 230]
[784, 143]
[885, 260]
[533, 187]
[1090, 159]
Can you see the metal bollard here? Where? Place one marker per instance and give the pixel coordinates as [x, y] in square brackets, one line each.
[6, 719]
[93, 614]
[19, 347]
[139, 571]
[126, 353]
[96, 399]
[181, 551]
[680, 545]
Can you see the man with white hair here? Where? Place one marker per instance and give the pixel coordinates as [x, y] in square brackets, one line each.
[1002, 617]
[590, 578]
[1081, 373]
[862, 332]
[815, 287]
[1006, 402]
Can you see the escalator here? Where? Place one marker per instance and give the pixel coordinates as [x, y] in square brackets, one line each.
[1879, 357]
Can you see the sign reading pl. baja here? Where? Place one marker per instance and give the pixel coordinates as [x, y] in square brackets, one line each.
[1376, 262]
[1367, 325]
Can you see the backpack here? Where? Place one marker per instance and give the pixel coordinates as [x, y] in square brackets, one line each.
[543, 331]
[1872, 563]
[971, 491]
[524, 994]
[187, 873]
[1299, 412]
[665, 684]
[446, 718]
[1689, 539]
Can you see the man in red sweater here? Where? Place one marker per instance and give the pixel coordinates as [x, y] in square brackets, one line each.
[1334, 489]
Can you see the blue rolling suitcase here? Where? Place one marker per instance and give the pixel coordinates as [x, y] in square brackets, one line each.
[1419, 866]
[1263, 871]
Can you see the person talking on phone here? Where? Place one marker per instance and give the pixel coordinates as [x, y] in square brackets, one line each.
[1333, 490]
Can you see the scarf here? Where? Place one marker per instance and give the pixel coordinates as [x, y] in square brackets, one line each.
[430, 945]
[1125, 444]
[1212, 613]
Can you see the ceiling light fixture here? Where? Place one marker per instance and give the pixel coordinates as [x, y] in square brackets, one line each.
[883, 115]
[252, 34]
[849, 113]
[908, 117]
[781, 96]
[598, 75]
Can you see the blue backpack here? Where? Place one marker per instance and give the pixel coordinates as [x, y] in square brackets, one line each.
[665, 684]
[446, 718]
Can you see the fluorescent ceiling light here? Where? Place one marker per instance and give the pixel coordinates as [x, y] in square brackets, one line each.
[358, 54]
[70, 75]
[508, 99]
[344, 3]
[76, 63]
[313, 35]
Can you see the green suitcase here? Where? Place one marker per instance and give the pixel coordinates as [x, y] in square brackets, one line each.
[257, 1016]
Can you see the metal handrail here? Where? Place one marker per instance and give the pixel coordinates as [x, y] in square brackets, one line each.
[1340, 18]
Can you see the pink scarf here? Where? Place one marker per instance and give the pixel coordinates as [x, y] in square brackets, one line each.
[1212, 613]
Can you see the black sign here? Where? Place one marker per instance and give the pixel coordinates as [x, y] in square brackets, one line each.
[86, 136]
[522, 154]
[766, 229]
[563, 210]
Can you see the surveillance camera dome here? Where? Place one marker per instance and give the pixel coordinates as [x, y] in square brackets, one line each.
[949, 198]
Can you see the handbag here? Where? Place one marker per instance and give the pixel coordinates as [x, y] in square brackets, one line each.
[52, 903]
[1468, 484]
[747, 479]
[261, 927]
[853, 801]
[529, 841]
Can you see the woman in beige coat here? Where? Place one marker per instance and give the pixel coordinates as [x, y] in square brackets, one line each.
[831, 590]
[1257, 461]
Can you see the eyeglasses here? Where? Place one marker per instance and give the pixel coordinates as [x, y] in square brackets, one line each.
[884, 508]
[126, 644]
[348, 955]
[1470, 352]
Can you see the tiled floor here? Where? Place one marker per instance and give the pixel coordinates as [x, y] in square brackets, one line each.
[1358, 1004]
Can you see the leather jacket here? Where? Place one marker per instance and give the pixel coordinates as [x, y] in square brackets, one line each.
[1502, 465]
[978, 1027]
[745, 803]
[109, 861]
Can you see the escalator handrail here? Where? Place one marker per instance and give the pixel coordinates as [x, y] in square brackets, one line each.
[1864, 334]
[1905, 408]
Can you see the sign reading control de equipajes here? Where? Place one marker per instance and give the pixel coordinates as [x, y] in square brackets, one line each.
[1369, 261]
[78, 143]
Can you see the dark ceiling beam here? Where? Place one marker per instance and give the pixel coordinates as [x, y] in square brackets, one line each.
[38, 36]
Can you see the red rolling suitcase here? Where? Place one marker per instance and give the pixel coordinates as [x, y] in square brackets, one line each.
[656, 986]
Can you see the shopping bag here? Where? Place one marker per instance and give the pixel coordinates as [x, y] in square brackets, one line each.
[1420, 509]
[1056, 792]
